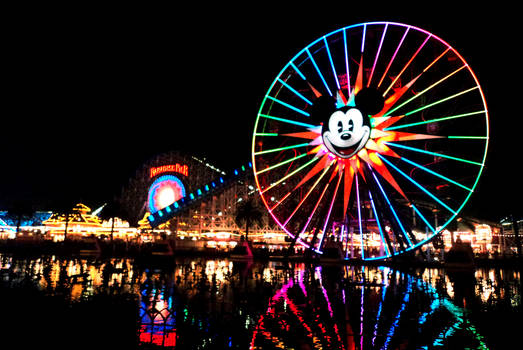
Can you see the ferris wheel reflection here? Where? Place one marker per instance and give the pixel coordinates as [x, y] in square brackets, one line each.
[362, 308]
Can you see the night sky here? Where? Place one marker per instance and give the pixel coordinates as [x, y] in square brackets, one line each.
[90, 95]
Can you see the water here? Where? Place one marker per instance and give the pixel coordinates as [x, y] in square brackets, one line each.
[201, 303]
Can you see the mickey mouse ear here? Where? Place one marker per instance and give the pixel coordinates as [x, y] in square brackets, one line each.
[369, 100]
[322, 108]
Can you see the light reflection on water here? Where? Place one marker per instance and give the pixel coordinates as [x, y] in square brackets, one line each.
[218, 303]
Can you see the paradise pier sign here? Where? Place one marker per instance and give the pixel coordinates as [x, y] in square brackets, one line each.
[171, 168]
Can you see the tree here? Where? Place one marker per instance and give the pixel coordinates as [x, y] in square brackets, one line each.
[23, 211]
[247, 213]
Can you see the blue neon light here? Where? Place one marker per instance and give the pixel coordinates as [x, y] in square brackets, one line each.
[392, 209]
[318, 70]
[294, 91]
[418, 185]
[289, 106]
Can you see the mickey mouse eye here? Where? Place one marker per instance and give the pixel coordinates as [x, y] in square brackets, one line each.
[351, 125]
[340, 126]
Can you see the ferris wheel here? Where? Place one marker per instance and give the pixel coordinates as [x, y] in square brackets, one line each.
[372, 139]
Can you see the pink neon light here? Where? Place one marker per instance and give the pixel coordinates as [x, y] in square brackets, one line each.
[393, 56]
[377, 54]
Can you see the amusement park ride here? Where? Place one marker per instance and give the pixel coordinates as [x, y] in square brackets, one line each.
[372, 138]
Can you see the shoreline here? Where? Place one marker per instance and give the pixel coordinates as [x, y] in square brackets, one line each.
[143, 253]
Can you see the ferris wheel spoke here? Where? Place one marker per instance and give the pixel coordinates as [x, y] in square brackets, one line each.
[295, 91]
[393, 56]
[421, 93]
[312, 215]
[340, 175]
[318, 71]
[418, 212]
[288, 121]
[377, 54]
[307, 195]
[394, 214]
[346, 62]
[289, 175]
[436, 120]
[384, 244]
[332, 63]
[420, 186]
[435, 173]
[302, 112]
[297, 71]
[272, 167]
[408, 63]
[419, 150]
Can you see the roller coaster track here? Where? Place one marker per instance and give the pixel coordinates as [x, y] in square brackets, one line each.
[203, 193]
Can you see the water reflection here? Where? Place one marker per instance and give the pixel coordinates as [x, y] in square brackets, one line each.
[220, 304]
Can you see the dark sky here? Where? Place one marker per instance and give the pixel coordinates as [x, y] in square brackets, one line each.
[88, 95]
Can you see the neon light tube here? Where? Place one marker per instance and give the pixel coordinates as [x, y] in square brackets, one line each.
[393, 57]
[392, 209]
[298, 71]
[433, 120]
[330, 210]
[377, 54]
[379, 225]
[418, 185]
[290, 174]
[288, 121]
[363, 37]
[441, 101]
[332, 63]
[306, 196]
[427, 89]
[435, 173]
[289, 106]
[423, 218]
[280, 149]
[433, 153]
[468, 137]
[346, 62]
[406, 65]
[314, 210]
[295, 92]
[318, 70]
[282, 163]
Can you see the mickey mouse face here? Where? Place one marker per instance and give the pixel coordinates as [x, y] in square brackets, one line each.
[346, 130]
[345, 133]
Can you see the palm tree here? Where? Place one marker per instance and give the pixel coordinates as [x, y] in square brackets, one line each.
[247, 212]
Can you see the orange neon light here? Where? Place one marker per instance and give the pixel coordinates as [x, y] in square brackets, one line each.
[171, 168]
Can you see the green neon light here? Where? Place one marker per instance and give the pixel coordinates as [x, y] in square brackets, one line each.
[440, 101]
[282, 163]
[424, 91]
[265, 134]
[287, 121]
[281, 148]
[468, 137]
[290, 174]
[433, 153]
[289, 106]
[433, 120]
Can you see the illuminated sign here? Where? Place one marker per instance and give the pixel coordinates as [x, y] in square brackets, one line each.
[164, 191]
[171, 168]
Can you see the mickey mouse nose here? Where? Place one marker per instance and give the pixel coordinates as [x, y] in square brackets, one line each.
[345, 136]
